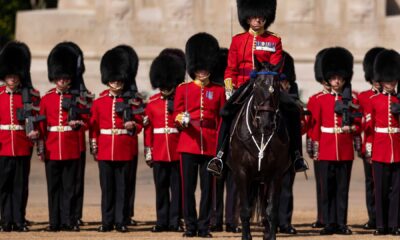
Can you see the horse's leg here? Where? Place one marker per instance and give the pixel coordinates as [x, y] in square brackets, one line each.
[245, 211]
[271, 215]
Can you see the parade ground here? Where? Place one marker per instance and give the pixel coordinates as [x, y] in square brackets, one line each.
[304, 209]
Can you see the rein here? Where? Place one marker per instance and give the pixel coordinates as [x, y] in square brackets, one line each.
[261, 148]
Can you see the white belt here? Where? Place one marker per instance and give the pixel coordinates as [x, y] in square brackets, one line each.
[331, 130]
[166, 130]
[113, 131]
[12, 127]
[59, 128]
[387, 130]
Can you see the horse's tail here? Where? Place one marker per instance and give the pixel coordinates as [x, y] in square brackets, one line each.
[258, 198]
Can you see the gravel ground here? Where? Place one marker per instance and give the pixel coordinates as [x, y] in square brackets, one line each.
[304, 212]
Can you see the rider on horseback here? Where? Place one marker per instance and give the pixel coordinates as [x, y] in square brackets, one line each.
[255, 16]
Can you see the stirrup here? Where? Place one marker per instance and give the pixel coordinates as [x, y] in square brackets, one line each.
[215, 165]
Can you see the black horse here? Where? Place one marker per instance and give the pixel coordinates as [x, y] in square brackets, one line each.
[260, 150]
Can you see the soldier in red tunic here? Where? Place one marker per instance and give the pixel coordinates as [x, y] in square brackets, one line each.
[310, 123]
[383, 144]
[60, 131]
[132, 96]
[113, 127]
[197, 105]
[294, 120]
[334, 141]
[87, 99]
[231, 202]
[161, 141]
[17, 102]
[364, 98]
[255, 16]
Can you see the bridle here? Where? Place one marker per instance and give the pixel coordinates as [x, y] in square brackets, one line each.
[260, 108]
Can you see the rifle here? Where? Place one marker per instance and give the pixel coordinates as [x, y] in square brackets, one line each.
[346, 106]
[71, 104]
[125, 107]
[26, 112]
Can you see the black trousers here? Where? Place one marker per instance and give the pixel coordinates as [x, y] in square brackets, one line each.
[286, 199]
[387, 194]
[317, 174]
[132, 187]
[335, 180]
[369, 191]
[26, 192]
[14, 175]
[61, 184]
[167, 180]
[227, 182]
[80, 186]
[192, 165]
[114, 176]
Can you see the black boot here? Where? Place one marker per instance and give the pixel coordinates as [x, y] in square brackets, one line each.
[299, 163]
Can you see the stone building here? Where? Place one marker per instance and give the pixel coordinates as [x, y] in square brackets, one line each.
[151, 25]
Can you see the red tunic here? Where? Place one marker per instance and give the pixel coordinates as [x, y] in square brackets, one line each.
[333, 145]
[385, 127]
[61, 142]
[267, 48]
[107, 128]
[13, 139]
[310, 122]
[203, 104]
[364, 99]
[160, 134]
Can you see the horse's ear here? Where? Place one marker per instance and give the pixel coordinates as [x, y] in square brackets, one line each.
[258, 65]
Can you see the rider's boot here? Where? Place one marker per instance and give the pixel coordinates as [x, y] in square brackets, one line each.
[299, 163]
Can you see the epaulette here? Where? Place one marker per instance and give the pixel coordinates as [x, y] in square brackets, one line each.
[322, 94]
[184, 83]
[376, 94]
[50, 91]
[154, 97]
[104, 93]
[273, 34]
[2, 91]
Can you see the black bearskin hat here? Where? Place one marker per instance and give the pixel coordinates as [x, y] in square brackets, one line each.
[219, 70]
[368, 63]
[256, 8]
[387, 66]
[133, 61]
[116, 65]
[80, 67]
[15, 59]
[319, 76]
[65, 61]
[337, 61]
[201, 53]
[166, 72]
[288, 68]
[174, 52]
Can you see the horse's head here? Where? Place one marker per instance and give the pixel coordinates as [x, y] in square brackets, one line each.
[266, 97]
